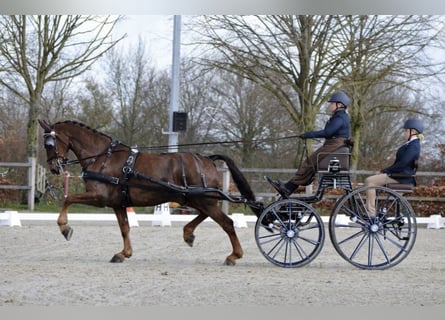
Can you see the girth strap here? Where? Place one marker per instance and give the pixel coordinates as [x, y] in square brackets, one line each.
[128, 172]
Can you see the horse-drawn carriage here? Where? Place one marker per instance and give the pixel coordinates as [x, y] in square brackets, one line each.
[289, 232]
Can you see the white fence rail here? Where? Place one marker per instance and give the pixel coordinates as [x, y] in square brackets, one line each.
[14, 218]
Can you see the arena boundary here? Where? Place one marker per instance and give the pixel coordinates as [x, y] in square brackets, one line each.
[14, 218]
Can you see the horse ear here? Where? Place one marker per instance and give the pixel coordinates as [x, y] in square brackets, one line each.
[45, 125]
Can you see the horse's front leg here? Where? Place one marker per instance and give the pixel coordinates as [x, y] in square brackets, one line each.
[122, 219]
[62, 221]
[86, 198]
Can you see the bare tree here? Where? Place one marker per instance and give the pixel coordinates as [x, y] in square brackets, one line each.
[200, 104]
[302, 59]
[57, 99]
[127, 77]
[251, 116]
[36, 50]
[93, 104]
[12, 127]
[129, 100]
[293, 57]
[386, 59]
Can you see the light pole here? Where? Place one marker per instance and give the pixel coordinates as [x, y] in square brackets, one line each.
[174, 95]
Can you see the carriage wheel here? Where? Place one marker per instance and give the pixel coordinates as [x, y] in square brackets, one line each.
[289, 233]
[378, 242]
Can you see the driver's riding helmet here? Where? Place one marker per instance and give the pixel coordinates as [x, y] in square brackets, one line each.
[414, 124]
[340, 97]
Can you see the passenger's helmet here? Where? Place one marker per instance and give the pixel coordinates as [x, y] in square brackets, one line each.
[414, 124]
[340, 97]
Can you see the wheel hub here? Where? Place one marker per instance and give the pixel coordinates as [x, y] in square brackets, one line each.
[290, 233]
[374, 228]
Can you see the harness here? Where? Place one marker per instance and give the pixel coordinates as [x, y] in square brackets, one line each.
[128, 172]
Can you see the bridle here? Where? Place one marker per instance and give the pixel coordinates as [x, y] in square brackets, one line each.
[50, 139]
[50, 142]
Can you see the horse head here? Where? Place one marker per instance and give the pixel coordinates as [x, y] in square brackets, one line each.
[57, 147]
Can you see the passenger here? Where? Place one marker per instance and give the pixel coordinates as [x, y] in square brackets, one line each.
[403, 168]
[336, 132]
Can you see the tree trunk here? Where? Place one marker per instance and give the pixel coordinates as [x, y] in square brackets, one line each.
[32, 128]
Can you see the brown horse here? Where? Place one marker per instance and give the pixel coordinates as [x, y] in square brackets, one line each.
[118, 177]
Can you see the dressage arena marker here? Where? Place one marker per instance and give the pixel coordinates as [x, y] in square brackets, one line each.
[436, 222]
[239, 220]
[10, 218]
[342, 219]
[131, 215]
[162, 212]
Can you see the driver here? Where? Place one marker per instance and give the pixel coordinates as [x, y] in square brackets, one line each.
[335, 133]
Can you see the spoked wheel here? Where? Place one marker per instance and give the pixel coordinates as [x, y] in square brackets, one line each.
[373, 242]
[289, 233]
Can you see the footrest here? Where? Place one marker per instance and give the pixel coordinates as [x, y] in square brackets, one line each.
[401, 187]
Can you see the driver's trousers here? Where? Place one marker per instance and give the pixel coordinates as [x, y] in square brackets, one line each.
[306, 172]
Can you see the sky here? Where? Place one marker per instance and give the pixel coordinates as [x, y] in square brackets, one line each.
[157, 33]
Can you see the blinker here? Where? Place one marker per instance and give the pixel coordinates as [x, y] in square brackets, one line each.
[50, 140]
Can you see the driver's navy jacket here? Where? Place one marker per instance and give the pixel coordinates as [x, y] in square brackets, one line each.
[404, 163]
[337, 127]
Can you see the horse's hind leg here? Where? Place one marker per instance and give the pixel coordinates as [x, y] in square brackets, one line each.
[190, 227]
[226, 224]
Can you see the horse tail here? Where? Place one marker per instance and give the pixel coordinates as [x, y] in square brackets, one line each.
[241, 183]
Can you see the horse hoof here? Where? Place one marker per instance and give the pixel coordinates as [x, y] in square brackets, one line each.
[190, 240]
[67, 233]
[116, 258]
[229, 262]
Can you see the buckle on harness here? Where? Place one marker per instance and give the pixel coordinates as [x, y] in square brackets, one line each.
[114, 180]
[127, 170]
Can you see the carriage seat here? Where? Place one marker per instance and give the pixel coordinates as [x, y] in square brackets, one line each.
[403, 187]
[327, 161]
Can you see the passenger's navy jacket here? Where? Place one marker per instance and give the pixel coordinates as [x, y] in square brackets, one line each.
[337, 127]
[404, 163]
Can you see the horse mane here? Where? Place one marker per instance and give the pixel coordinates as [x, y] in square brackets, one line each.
[82, 125]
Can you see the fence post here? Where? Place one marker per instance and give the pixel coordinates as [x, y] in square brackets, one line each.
[31, 182]
[40, 178]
